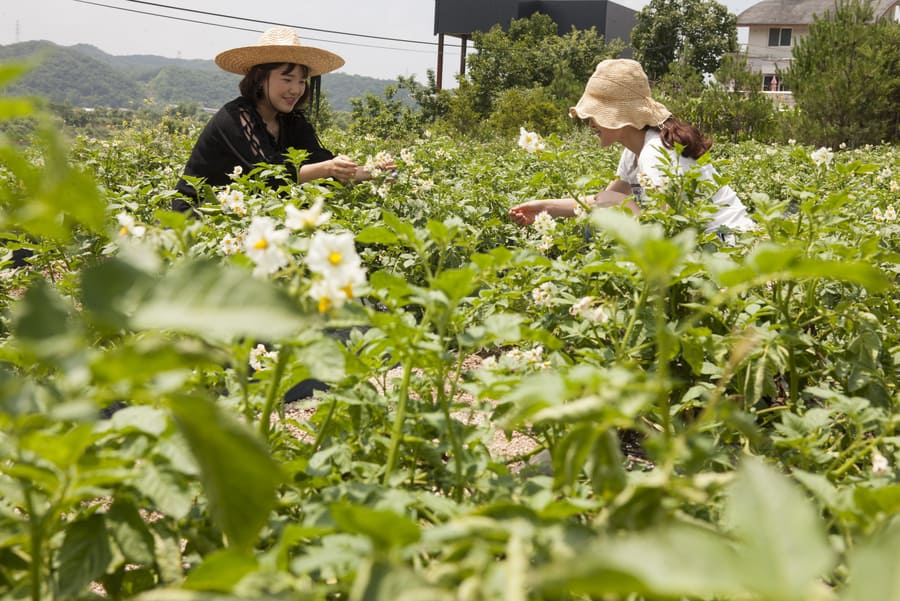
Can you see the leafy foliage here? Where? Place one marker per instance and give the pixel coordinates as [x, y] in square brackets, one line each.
[730, 106]
[529, 55]
[695, 32]
[845, 76]
[757, 380]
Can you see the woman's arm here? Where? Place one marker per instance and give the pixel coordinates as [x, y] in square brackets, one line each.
[340, 168]
[614, 194]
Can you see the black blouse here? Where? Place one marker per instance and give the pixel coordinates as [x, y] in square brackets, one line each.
[236, 136]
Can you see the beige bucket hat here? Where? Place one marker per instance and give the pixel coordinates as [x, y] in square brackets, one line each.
[618, 94]
[279, 45]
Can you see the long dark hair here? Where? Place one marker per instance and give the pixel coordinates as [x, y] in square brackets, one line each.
[251, 87]
[675, 130]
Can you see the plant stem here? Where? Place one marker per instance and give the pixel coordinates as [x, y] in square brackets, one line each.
[662, 366]
[626, 338]
[266, 418]
[451, 427]
[397, 431]
[36, 567]
[321, 435]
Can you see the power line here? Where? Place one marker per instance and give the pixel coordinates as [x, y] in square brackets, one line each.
[249, 20]
[235, 27]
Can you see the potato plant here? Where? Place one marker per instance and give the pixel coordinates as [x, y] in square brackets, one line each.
[146, 451]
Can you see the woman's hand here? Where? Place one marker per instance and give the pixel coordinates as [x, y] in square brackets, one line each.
[342, 168]
[525, 213]
[386, 166]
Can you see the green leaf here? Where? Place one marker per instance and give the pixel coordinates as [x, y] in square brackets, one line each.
[9, 72]
[84, 555]
[140, 418]
[405, 231]
[14, 108]
[775, 262]
[322, 359]
[395, 286]
[504, 327]
[62, 448]
[783, 549]
[221, 570]
[386, 529]
[376, 234]
[130, 532]
[884, 500]
[455, 283]
[199, 297]
[670, 562]
[875, 567]
[607, 465]
[44, 321]
[169, 493]
[238, 473]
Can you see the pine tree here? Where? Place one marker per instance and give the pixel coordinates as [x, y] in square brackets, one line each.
[845, 77]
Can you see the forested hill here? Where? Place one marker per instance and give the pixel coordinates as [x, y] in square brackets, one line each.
[85, 76]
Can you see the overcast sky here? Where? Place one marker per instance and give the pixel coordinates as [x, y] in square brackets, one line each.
[138, 30]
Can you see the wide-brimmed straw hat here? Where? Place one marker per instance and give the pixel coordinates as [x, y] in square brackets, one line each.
[618, 94]
[279, 45]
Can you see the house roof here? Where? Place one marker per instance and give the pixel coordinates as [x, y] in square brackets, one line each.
[796, 12]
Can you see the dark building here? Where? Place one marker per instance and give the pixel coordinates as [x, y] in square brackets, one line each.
[460, 18]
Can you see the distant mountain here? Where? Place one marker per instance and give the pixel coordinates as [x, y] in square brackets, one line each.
[85, 76]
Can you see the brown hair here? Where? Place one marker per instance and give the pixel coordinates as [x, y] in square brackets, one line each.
[251, 86]
[675, 130]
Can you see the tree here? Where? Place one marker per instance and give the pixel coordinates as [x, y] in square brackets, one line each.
[532, 54]
[845, 77]
[696, 32]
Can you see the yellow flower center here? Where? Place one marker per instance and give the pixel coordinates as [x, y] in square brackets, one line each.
[261, 244]
[348, 290]
[324, 304]
[123, 231]
[335, 258]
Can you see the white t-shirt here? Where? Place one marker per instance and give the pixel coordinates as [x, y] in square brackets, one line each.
[732, 213]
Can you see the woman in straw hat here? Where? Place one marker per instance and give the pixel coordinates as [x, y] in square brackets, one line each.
[618, 107]
[266, 119]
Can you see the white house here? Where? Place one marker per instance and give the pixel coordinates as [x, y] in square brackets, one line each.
[774, 26]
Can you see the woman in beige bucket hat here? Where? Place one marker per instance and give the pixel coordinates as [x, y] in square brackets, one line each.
[618, 107]
[266, 119]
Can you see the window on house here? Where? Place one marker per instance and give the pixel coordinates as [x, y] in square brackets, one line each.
[780, 36]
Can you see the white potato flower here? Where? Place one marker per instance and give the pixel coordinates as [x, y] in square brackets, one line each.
[306, 219]
[822, 156]
[545, 293]
[880, 464]
[264, 245]
[127, 226]
[231, 244]
[489, 362]
[333, 291]
[261, 358]
[544, 223]
[545, 243]
[589, 309]
[376, 164]
[232, 201]
[332, 254]
[530, 142]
